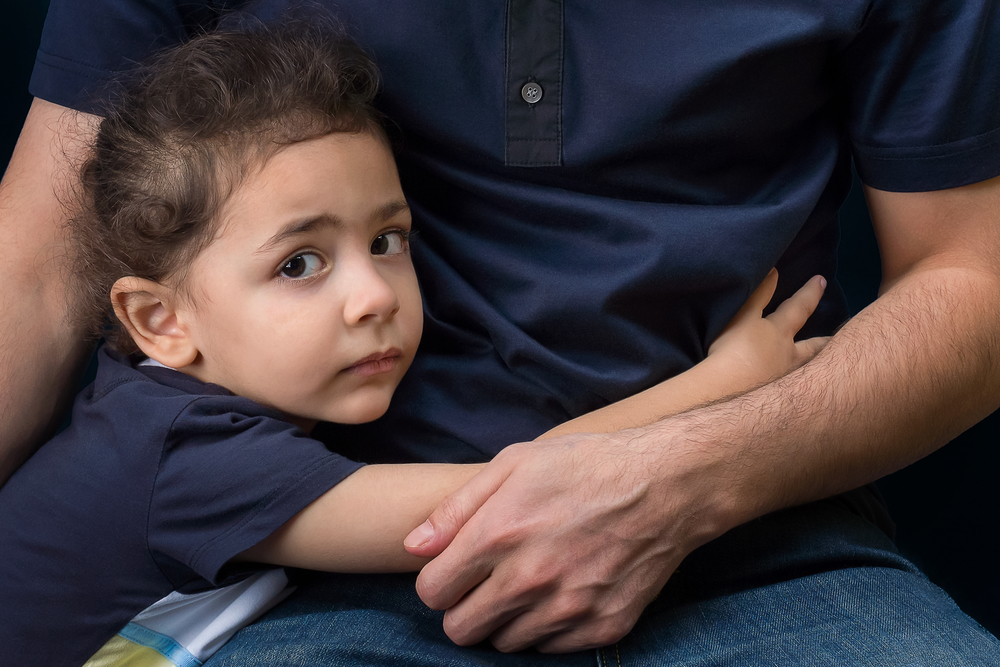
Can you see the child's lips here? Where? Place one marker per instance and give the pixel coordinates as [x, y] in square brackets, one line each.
[375, 364]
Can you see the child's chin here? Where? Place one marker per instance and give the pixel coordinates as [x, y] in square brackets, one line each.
[359, 416]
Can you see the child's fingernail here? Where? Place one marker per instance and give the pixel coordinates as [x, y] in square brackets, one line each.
[822, 282]
[420, 536]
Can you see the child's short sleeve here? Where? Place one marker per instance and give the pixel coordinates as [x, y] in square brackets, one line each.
[228, 478]
[923, 93]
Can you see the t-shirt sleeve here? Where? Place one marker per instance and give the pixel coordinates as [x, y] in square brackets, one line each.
[923, 84]
[228, 478]
[84, 44]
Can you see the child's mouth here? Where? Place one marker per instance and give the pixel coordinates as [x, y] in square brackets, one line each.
[374, 364]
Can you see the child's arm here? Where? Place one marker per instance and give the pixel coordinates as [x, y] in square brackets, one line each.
[359, 525]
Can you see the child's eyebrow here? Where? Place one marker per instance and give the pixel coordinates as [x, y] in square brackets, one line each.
[390, 210]
[380, 214]
[299, 227]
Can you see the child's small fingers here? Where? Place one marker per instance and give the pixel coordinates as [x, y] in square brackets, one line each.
[796, 309]
[809, 348]
[761, 296]
[754, 306]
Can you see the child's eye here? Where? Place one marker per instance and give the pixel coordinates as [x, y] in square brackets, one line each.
[390, 243]
[302, 265]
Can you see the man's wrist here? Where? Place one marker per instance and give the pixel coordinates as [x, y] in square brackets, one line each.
[697, 473]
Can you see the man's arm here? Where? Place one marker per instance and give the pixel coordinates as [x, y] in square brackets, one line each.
[40, 351]
[562, 543]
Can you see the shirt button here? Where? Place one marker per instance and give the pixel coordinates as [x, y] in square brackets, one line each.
[531, 92]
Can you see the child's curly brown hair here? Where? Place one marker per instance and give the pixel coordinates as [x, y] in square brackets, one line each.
[182, 132]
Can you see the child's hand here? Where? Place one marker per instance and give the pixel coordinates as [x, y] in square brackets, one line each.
[763, 348]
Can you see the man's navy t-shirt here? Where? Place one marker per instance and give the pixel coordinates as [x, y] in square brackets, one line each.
[598, 186]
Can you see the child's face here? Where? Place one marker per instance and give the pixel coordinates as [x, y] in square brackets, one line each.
[307, 301]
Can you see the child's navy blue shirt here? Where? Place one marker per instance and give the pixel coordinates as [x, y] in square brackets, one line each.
[159, 481]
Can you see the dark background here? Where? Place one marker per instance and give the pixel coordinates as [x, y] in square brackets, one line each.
[945, 506]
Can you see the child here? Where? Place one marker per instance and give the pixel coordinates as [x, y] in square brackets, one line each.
[245, 217]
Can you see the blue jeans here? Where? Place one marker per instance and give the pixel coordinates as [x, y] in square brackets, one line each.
[816, 585]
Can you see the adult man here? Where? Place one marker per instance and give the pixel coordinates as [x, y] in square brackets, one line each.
[599, 186]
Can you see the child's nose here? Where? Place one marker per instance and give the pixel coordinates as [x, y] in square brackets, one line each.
[371, 296]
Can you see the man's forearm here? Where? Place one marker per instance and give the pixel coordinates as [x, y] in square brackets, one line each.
[902, 378]
[40, 350]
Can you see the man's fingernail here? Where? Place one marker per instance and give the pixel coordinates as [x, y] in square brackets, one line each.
[420, 536]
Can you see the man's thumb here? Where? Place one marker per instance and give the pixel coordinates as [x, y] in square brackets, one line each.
[431, 537]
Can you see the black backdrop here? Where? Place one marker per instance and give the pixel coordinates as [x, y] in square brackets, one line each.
[945, 506]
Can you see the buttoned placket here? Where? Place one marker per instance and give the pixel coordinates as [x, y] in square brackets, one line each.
[534, 70]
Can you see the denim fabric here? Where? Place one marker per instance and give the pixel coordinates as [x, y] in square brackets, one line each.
[858, 617]
[816, 585]
[353, 620]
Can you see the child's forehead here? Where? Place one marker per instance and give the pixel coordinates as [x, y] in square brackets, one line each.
[275, 158]
[315, 176]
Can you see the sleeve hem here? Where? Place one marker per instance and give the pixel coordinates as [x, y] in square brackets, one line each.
[273, 513]
[922, 169]
[53, 76]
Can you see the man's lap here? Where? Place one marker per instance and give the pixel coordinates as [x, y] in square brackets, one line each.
[871, 617]
[353, 620]
[816, 585]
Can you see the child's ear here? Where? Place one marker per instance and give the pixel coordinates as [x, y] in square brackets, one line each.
[147, 309]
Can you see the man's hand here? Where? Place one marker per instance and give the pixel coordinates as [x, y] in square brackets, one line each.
[574, 536]
[563, 542]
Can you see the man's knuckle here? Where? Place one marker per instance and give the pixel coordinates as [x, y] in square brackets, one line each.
[427, 593]
[540, 576]
[458, 629]
[572, 607]
[523, 589]
[430, 590]
[507, 645]
[449, 512]
[606, 631]
[510, 454]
